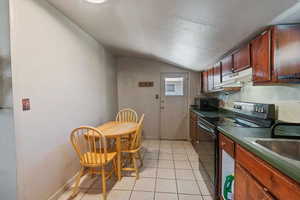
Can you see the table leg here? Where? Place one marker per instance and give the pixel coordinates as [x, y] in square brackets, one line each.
[118, 149]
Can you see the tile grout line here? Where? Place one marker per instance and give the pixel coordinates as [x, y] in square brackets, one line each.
[176, 179]
[196, 179]
[87, 190]
[154, 194]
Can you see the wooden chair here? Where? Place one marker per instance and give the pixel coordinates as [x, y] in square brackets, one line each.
[90, 146]
[134, 149]
[127, 115]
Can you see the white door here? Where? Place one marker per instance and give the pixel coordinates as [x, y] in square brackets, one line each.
[174, 106]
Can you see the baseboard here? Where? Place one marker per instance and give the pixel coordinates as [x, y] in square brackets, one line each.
[64, 188]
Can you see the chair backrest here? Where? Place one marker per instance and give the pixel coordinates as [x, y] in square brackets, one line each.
[90, 145]
[127, 115]
[137, 137]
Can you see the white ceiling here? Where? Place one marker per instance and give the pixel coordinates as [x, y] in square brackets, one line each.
[188, 33]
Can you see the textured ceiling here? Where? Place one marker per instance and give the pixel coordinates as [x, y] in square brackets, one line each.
[188, 33]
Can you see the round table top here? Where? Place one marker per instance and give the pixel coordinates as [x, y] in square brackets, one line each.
[114, 129]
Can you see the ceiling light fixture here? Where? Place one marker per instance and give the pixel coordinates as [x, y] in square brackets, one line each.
[95, 1]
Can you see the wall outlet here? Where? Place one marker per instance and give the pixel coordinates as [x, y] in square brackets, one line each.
[26, 104]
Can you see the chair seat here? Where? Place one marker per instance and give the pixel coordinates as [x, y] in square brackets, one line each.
[96, 159]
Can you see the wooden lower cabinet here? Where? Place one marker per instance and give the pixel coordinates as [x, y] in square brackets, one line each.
[255, 179]
[278, 184]
[247, 188]
[193, 127]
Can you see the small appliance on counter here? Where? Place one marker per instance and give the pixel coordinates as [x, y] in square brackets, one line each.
[207, 103]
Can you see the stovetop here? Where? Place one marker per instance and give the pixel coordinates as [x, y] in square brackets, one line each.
[237, 122]
[231, 121]
[244, 114]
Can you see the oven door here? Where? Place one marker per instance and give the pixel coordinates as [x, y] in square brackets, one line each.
[208, 155]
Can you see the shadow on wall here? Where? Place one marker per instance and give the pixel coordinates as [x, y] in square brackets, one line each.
[8, 174]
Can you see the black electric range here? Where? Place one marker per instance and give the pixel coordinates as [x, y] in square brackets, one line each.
[242, 114]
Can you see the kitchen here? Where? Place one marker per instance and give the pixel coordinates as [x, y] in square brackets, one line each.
[212, 89]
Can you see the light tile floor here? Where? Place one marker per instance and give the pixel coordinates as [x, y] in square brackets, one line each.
[170, 172]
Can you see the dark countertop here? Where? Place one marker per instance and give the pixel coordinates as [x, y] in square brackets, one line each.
[245, 138]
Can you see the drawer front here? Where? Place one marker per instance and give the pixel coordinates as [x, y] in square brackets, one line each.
[275, 182]
[227, 145]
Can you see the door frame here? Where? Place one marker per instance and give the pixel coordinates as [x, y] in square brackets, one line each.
[187, 98]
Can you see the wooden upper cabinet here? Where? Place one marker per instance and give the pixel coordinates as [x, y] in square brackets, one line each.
[227, 65]
[210, 79]
[241, 58]
[286, 47]
[204, 81]
[217, 75]
[261, 58]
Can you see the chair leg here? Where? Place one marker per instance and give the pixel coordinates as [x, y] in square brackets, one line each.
[140, 158]
[103, 183]
[75, 189]
[115, 167]
[135, 166]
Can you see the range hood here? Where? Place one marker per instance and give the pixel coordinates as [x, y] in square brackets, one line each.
[236, 79]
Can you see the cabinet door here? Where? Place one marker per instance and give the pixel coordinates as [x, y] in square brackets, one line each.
[227, 65]
[247, 188]
[277, 183]
[193, 127]
[260, 55]
[217, 75]
[204, 81]
[210, 79]
[241, 59]
[286, 43]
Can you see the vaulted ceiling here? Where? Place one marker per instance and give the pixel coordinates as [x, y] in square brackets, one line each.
[188, 33]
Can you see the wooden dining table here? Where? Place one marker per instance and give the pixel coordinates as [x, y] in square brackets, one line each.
[117, 130]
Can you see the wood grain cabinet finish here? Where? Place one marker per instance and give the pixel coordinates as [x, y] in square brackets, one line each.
[248, 188]
[227, 145]
[286, 45]
[279, 185]
[261, 58]
[241, 59]
[210, 79]
[217, 75]
[227, 65]
[204, 76]
[193, 127]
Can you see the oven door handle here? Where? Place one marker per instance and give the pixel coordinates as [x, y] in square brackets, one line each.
[210, 130]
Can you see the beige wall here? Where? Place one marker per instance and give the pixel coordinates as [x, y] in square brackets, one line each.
[286, 98]
[8, 180]
[133, 70]
[70, 80]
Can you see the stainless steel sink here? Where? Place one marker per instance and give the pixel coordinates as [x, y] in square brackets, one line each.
[284, 147]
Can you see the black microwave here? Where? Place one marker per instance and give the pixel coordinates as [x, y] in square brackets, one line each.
[207, 103]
